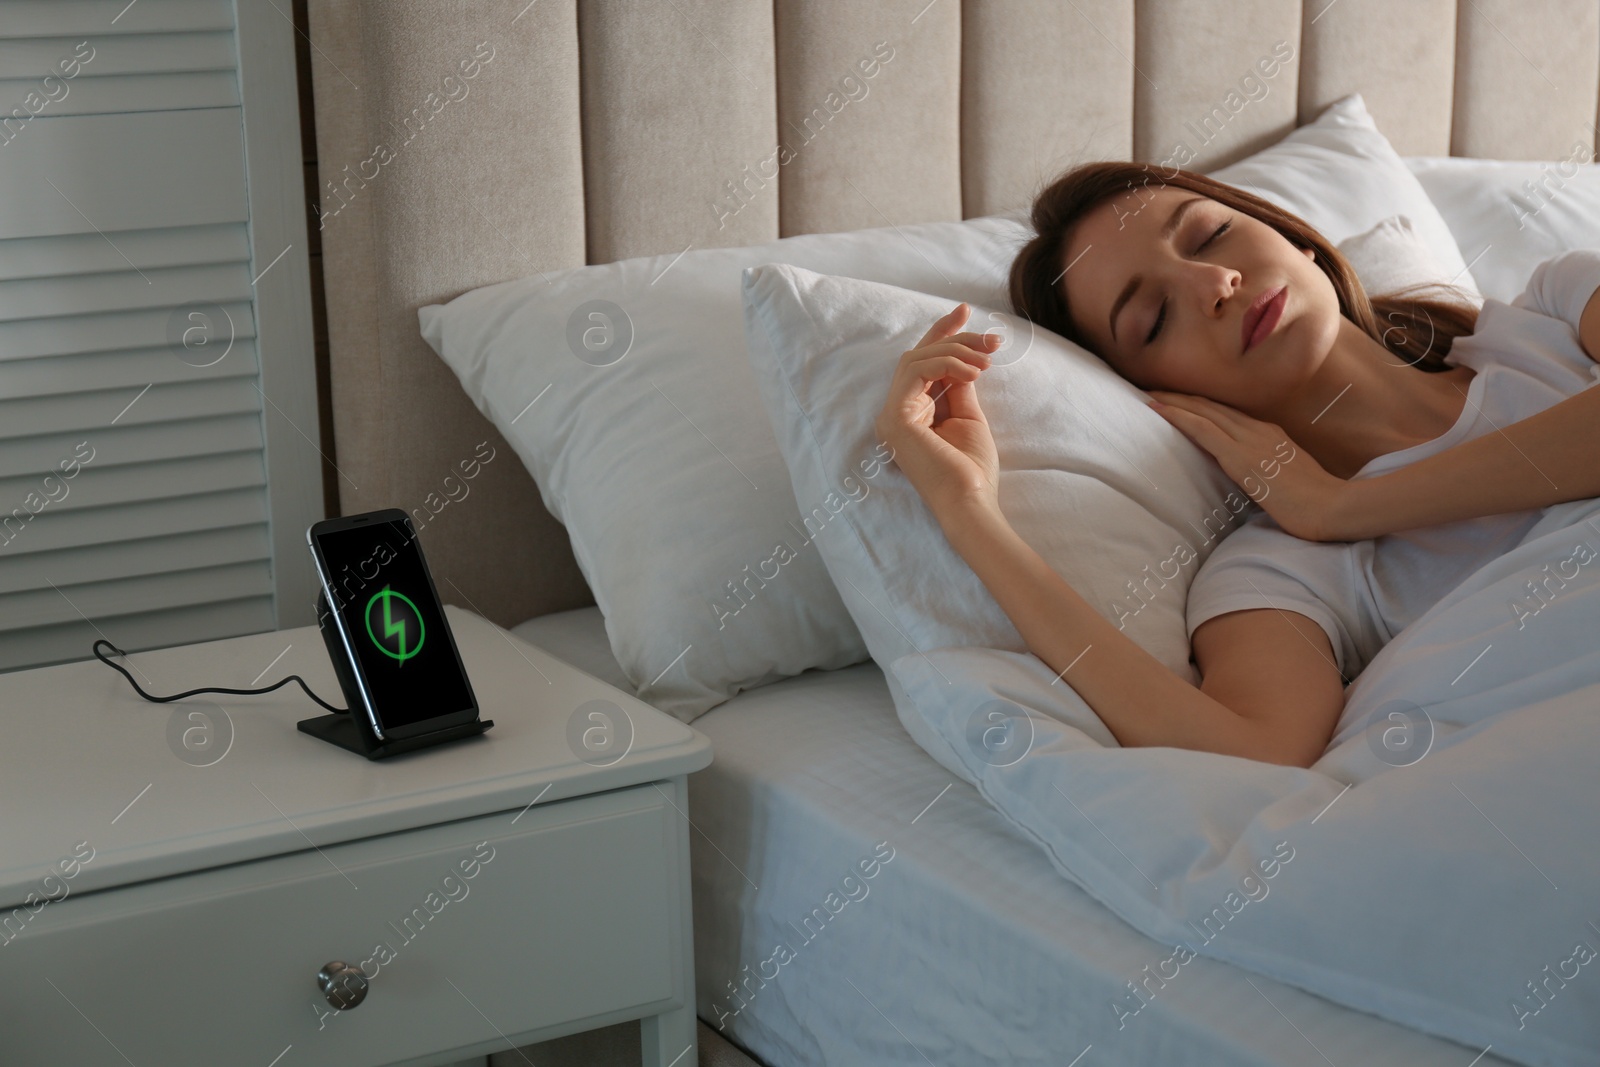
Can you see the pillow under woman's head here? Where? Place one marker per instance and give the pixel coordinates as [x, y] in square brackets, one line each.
[1117, 501]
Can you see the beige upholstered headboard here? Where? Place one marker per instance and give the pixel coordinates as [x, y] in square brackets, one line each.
[464, 143]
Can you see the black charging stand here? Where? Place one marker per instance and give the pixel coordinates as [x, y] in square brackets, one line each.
[348, 729]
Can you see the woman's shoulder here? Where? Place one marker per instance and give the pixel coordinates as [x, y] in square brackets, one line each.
[1260, 542]
[1537, 332]
[1561, 286]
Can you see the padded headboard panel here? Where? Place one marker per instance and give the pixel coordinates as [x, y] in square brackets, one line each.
[604, 129]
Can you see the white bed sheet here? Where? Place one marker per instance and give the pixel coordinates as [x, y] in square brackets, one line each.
[967, 947]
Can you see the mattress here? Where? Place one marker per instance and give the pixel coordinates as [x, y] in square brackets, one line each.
[853, 903]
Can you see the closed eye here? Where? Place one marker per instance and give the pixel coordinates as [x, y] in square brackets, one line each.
[1155, 328]
[1218, 232]
[1161, 315]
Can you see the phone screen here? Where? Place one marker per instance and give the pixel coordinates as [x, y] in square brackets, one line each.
[376, 581]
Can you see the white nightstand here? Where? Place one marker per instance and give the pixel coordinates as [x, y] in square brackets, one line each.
[528, 883]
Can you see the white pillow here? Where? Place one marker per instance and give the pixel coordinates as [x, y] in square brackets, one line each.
[1392, 256]
[1509, 216]
[625, 390]
[1107, 491]
[1342, 176]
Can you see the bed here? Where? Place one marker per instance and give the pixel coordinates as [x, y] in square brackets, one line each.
[622, 125]
[975, 950]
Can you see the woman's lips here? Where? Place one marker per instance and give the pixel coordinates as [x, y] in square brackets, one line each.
[1262, 316]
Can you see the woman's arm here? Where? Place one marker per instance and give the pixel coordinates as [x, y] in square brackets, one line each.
[1134, 694]
[942, 443]
[1545, 459]
[1548, 458]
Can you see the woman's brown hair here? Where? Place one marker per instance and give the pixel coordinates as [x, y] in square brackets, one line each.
[1419, 329]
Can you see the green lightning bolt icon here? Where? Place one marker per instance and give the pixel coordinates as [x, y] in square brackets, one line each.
[393, 627]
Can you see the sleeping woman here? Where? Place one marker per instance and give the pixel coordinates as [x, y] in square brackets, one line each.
[1427, 440]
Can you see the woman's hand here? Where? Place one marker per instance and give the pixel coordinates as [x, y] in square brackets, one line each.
[932, 420]
[1289, 485]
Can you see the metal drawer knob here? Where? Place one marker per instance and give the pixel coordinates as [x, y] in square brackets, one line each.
[344, 984]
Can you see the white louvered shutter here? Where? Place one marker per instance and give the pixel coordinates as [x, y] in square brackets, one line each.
[140, 198]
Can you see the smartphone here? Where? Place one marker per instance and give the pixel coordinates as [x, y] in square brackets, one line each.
[391, 625]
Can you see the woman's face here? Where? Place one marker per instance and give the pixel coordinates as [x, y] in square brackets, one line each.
[1181, 293]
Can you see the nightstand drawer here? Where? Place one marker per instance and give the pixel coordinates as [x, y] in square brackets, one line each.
[478, 930]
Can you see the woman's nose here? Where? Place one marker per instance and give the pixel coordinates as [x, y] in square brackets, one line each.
[1216, 285]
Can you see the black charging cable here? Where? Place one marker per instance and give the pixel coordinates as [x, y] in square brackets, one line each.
[179, 696]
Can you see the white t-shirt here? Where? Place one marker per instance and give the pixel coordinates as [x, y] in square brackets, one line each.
[1362, 593]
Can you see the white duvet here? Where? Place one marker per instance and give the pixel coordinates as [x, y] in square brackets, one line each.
[1440, 866]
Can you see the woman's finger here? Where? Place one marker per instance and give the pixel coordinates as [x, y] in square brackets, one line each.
[912, 388]
[946, 325]
[936, 368]
[963, 398]
[975, 356]
[1230, 419]
[1190, 402]
[1199, 429]
[980, 341]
